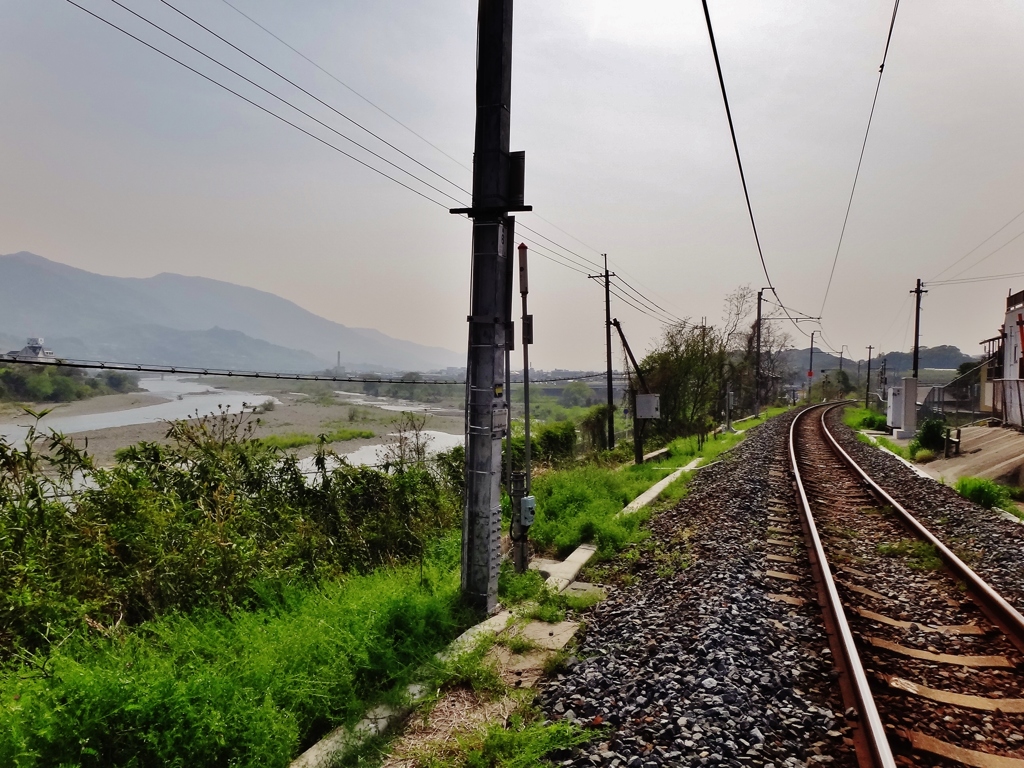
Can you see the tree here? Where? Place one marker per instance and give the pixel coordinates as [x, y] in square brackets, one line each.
[576, 394]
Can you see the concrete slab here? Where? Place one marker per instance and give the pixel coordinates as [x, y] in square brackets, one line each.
[561, 575]
[550, 637]
[583, 589]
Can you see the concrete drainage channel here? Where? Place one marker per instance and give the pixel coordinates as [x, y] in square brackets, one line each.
[559, 575]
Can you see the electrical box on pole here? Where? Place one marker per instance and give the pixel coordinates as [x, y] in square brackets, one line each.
[497, 191]
[648, 406]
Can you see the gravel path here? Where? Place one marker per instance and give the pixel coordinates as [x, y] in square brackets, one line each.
[701, 666]
[988, 543]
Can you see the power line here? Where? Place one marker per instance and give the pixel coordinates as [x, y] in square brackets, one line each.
[315, 98]
[593, 264]
[184, 370]
[258, 106]
[863, 146]
[979, 246]
[282, 99]
[979, 279]
[650, 302]
[991, 253]
[739, 161]
[626, 300]
[347, 86]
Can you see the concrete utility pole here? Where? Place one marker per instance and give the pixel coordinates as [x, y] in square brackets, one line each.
[867, 385]
[917, 323]
[497, 190]
[810, 369]
[607, 276]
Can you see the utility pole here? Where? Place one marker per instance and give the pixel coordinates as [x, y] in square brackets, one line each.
[607, 276]
[917, 323]
[757, 358]
[810, 369]
[638, 438]
[867, 385]
[841, 350]
[497, 190]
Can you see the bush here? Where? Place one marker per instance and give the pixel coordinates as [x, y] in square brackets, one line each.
[932, 434]
[984, 492]
[193, 525]
[557, 442]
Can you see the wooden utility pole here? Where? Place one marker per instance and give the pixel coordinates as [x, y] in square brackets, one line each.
[606, 276]
[497, 190]
[810, 369]
[867, 385]
[917, 323]
[757, 358]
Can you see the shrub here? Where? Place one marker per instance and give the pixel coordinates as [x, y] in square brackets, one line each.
[924, 455]
[983, 491]
[931, 434]
[557, 442]
[192, 525]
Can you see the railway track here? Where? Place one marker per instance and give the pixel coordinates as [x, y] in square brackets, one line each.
[930, 657]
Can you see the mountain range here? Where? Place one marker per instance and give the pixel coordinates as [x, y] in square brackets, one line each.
[174, 319]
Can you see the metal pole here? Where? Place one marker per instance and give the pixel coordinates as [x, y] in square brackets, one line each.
[917, 323]
[608, 345]
[486, 411]
[867, 383]
[524, 289]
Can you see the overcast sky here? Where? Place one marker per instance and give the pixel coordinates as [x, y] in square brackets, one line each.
[116, 160]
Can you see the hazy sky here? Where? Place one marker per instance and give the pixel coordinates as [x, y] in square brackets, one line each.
[116, 160]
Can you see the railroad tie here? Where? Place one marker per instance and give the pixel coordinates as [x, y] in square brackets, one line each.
[942, 658]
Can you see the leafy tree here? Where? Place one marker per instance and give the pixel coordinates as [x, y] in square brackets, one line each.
[576, 394]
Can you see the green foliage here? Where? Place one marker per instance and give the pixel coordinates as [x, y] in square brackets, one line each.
[48, 383]
[576, 394]
[557, 441]
[863, 418]
[521, 743]
[987, 493]
[193, 525]
[594, 426]
[932, 434]
[579, 505]
[248, 689]
[300, 439]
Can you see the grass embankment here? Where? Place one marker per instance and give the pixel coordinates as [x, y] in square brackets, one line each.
[203, 604]
[581, 505]
[991, 494]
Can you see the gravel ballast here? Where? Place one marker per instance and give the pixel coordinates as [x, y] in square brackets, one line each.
[698, 665]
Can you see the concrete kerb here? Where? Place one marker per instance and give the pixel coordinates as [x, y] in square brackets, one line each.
[380, 720]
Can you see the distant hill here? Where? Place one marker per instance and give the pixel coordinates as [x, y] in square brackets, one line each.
[172, 318]
[945, 356]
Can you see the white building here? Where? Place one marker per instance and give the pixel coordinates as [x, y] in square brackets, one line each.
[33, 351]
[1008, 388]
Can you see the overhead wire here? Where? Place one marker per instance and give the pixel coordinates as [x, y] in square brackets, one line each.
[621, 296]
[739, 162]
[641, 297]
[988, 255]
[979, 246]
[282, 99]
[860, 160]
[257, 105]
[978, 279]
[312, 96]
[345, 85]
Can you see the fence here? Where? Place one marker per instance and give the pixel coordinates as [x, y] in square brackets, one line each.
[957, 403]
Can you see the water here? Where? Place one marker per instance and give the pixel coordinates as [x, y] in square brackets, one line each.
[394, 404]
[193, 396]
[372, 455]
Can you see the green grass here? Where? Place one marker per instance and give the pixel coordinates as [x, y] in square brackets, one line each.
[300, 439]
[250, 689]
[988, 494]
[920, 555]
[863, 418]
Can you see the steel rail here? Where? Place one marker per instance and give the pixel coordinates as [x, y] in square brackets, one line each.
[995, 607]
[872, 728]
